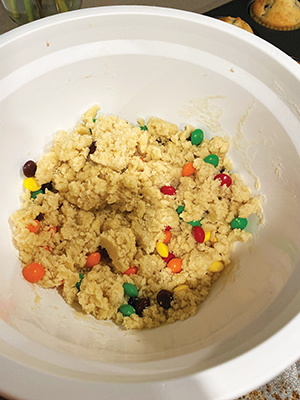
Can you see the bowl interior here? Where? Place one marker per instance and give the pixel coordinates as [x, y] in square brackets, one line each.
[188, 69]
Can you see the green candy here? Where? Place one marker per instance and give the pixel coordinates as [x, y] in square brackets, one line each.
[196, 223]
[127, 310]
[239, 223]
[180, 209]
[144, 128]
[130, 290]
[34, 194]
[78, 284]
[212, 159]
[197, 137]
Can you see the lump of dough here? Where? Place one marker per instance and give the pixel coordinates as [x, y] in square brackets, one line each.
[120, 246]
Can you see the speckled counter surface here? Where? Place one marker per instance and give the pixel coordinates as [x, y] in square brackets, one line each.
[287, 385]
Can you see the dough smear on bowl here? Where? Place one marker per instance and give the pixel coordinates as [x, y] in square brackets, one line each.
[134, 223]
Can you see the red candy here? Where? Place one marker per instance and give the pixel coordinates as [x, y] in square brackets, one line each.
[131, 271]
[169, 190]
[167, 259]
[224, 179]
[168, 228]
[199, 234]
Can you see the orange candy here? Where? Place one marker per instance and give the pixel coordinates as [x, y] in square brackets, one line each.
[33, 272]
[168, 235]
[131, 271]
[93, 259]
[34, 228]
[188, 169]
[175, 265]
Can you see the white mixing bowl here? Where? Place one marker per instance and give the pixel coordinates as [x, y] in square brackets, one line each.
[185, 68]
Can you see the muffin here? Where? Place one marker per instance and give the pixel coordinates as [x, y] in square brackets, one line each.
[277, 14]
[238, 22]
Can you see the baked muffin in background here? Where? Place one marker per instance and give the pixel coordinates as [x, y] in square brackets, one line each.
[238, 22]
[276, 14]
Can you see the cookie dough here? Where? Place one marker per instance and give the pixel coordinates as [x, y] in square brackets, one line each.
[101, 192]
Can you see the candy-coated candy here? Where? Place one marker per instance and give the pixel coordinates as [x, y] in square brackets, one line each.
[53, 229]
[31, 184]
[175, 265]
[180, 287]
[78, 284]
[207, 236]
[168, 235]
[130, 290]
[29, 168]
[168, 228]
[168, 190]
[141, 158]
[144, 128]
[36, 193]
[93, 148]
[40, 217]
[216, 266]
[179, 210]
[93, 259]
[224, 179]
[188, 169]
[212, 159]
[33, 272]
[195, 223]
[199, 234]
[49, 186]
[215, 239]
[141, 304]
[239, 223]
[167, 259]
[127, 310]
[131, 271]
[162, 249]
[197, 137]
[34, 228]
[132, 301]
[164, 298]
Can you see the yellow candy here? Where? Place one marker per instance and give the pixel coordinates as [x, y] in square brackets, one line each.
[31, 184]
[215, 239]
[180, 287]
[207, 236]
[216, 266]
[162, 249]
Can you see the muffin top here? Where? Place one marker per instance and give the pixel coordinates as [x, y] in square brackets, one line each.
[277, 14]
[238, 22]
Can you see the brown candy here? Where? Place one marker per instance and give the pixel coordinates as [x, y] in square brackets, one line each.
[29, 168]
[164, 298]
[141, 304]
